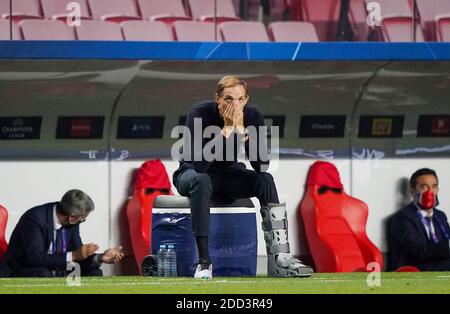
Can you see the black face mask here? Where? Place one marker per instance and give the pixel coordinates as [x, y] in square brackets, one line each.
[68, 225]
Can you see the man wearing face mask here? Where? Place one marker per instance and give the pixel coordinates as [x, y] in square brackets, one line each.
[420, 232]
[47, 237]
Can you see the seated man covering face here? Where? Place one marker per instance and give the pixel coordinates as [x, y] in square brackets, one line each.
[47, 237]
[223, 128]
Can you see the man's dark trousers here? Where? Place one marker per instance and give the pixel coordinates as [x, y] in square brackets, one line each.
[224, 183]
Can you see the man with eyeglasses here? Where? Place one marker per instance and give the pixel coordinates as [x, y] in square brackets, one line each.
[212, 171]
[47, 238]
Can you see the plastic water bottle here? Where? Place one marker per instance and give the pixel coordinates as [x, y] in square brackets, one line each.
[171, 261]
[161, 256]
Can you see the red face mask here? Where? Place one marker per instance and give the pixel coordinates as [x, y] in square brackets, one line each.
[427, 199]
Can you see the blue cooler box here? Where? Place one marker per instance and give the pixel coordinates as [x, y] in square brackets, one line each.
[233, 241]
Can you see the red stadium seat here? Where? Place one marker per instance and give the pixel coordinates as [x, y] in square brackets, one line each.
[407, 269]
[397, 20]
[399, 29]
[391, 8]
[324, 15]
[167, 11]
[3, 222]
[320, 11]
[5, 30]
[146, 31]
[114, 10]
[98, 30]
[22, 9]
[443, 29]
[46, 30]
[152, 180]
[195, 31]
[203, 10]
[335, 224]
[429, 11]
[293, 32]
[244, 32]
[57, 9]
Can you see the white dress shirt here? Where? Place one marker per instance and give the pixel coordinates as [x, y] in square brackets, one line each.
[56, 227]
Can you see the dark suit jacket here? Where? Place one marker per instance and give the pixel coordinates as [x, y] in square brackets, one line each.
[31, 240]
[410, 245]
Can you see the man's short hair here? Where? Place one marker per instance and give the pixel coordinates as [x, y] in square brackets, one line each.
[419, 173]
[75, 202]
[230, 81]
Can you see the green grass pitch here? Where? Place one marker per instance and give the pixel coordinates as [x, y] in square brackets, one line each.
[318, 283]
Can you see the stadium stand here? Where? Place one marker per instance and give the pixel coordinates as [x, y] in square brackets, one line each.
[244, 31]
[292, 32]
[146, 31]
[5, 31]
[195, 31]
[430, 15]
[396, 21]
[46, 30]
[22, 9]
[203, 10]
[167, 11]
[57, 9]
[114, 10]
[98, 30]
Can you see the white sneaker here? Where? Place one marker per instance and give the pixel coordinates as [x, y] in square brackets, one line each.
[204, 270]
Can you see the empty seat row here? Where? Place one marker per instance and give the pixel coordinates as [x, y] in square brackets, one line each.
[396, 18]
[159, 31]
[289, 31]
[120, 10]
